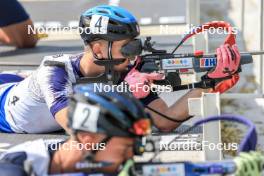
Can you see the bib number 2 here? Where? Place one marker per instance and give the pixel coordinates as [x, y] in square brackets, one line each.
[86, 113]
[85, 117]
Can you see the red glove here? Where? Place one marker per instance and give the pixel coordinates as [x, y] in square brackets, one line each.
[226, 84]
[228, 61]
[139, 82]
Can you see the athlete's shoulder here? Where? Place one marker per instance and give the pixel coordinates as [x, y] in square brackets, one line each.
[60, 68]
[69, 61]
[63, 57]
[34, 152]
[57, 57]
[36, 146]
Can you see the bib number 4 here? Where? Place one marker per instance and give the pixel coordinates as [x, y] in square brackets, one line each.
[13, 100]
[99, 24]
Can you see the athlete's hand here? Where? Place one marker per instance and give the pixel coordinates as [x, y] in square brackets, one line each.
[225, 85]
[139, 83]
[228, 60]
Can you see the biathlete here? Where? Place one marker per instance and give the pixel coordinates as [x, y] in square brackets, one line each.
[38, 104]
[99, 142]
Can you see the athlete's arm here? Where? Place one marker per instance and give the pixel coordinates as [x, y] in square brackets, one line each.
[61, 118]
[14, 26]
[178, 111]
[16, 34]
[56, 87]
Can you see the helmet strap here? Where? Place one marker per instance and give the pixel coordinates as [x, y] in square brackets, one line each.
[109, 70]
[138, 147]
[110, 44]
[89, 163]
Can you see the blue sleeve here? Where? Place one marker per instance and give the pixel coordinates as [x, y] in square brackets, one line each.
[9, 78]
[11, 12]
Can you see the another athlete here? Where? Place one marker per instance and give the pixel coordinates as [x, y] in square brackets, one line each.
[103, 128]
[14, 22]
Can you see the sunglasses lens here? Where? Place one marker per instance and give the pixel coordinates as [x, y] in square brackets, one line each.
[132, 49]
[142, 127]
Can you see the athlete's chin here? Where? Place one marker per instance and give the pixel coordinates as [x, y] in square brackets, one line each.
[120, 69]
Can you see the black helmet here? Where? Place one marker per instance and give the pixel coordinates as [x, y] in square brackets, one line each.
[110, 23]
[94, 109]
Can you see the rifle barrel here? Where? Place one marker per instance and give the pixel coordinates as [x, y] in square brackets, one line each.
[253, 52]
[242, 53]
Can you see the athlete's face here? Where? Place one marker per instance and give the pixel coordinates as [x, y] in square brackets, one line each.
[116, 52]
[117, 150]
[101, 50]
